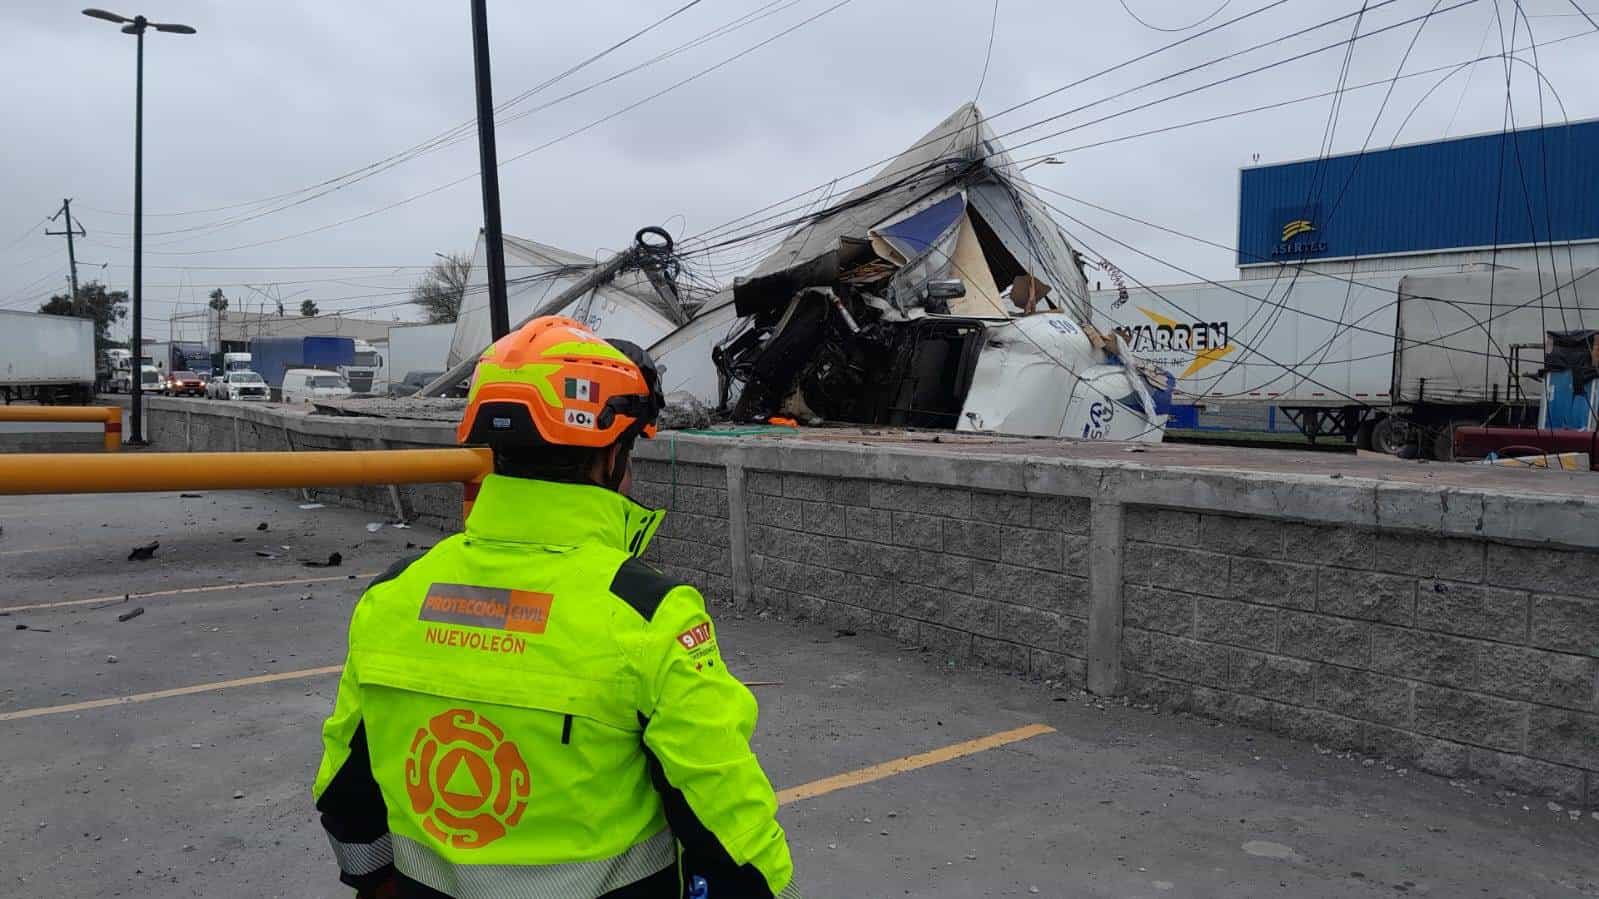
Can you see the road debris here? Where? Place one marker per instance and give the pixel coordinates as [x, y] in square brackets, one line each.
[238, 539]
[145, 552]
[26, 627]
[334, 561]
[309, 506]
[111, 660]
[188, 496]
[261, 527]
[131, 614]
[266, 555]
[372, 527]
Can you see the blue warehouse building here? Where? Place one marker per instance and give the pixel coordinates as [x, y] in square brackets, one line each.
[1430, 208]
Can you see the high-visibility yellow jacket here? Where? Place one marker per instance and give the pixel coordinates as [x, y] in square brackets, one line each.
[528, 710]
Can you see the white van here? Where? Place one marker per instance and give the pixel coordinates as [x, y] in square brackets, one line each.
[305, 385]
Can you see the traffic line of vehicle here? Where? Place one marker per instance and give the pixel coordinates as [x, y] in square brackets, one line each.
[909, 763]
[166, 694]
[181, 591]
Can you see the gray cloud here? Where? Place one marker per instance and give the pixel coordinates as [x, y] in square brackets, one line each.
[271, 97]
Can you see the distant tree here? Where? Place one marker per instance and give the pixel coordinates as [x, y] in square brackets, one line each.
[440, 291]
[308, 308]
[94, 302]
[219, 302]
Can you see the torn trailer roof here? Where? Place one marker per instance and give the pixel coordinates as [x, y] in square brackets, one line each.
[628, 307]
[938, 294]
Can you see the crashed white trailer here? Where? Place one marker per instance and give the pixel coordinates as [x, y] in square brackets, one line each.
[535, 273]
[938, 294]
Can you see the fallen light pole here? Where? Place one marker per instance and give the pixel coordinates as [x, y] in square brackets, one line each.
[110, 416]
[51, 473]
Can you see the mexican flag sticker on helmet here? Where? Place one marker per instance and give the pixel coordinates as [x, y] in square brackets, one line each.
[583, 389]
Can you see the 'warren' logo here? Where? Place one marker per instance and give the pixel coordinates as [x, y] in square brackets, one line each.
[1208, 341]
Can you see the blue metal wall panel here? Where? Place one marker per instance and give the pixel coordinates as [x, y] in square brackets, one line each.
[1426, 197]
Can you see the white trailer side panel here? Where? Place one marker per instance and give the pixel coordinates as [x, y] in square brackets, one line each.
[1305, 341]
[40, 349]
[418, 348]
[1457, 332]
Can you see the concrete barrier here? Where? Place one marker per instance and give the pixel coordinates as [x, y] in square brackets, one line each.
[1451, 628]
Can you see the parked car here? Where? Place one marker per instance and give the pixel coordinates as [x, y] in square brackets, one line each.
[412, 382]
[305, 385]
[243, 386]
[185, 383]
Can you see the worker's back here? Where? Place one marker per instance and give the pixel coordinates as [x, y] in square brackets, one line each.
[511, 691]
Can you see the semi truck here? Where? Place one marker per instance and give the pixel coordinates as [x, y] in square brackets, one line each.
[365, 369]
[188, 356]
[1384, 361]
[46, 358]
[273, 356]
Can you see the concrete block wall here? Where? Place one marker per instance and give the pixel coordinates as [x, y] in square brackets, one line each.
[973, 575]
[693, 543]
[1455, 630]
[1456, 655]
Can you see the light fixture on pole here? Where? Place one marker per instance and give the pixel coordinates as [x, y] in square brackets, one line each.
[136, 26]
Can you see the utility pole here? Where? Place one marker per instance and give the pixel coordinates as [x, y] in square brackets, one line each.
[488, 162]
[72, 258]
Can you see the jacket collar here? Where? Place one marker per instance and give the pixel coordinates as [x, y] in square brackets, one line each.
[519, 510]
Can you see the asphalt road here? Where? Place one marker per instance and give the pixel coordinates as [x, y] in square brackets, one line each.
[197, 784]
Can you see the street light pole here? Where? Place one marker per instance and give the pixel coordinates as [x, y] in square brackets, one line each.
[499, 313]
[136, 26]
[136, 385]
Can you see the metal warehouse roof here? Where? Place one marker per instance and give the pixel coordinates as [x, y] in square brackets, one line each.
[1528, 186]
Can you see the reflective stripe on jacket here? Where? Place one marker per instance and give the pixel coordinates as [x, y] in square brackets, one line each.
[528, 710]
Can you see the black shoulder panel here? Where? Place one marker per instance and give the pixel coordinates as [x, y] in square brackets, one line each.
[642, 587]
[394, 571]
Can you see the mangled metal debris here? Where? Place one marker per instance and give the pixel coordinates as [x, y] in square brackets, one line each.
[939, 294]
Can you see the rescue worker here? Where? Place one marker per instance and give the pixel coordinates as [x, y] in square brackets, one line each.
[528, 710]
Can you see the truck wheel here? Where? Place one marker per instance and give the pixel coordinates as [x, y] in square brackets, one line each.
[1389, 434]
[1363, 434]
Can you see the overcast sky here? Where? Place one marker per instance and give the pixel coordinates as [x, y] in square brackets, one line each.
[271, 98]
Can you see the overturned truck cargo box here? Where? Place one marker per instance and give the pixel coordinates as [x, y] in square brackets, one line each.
[938, 294]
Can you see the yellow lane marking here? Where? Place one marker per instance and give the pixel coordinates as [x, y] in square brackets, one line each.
[42, 549]
[186, 590]
[810, 790]
[164, 694]
[910, 763]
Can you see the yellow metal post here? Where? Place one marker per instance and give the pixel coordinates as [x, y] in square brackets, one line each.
[42, 473]
[110, 416]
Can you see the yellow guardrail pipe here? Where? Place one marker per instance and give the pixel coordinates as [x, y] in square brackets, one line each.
[47, 473]
[110, 416]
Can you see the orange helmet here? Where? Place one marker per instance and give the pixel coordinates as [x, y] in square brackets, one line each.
[554, 381]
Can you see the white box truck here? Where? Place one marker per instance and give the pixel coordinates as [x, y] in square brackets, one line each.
[46, 358]
[1383, 360]
[417, 349]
